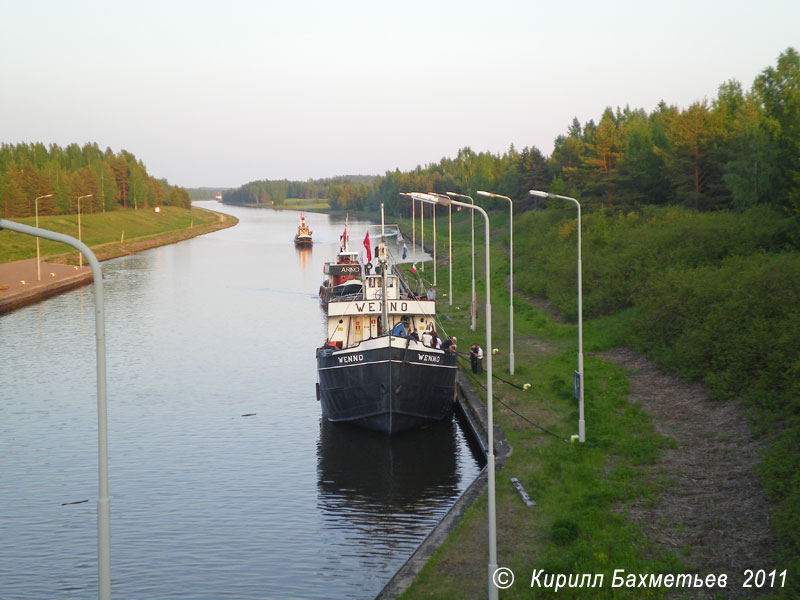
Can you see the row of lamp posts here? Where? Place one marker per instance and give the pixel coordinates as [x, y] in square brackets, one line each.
[36, 208]
[448, 200]
[435, 199]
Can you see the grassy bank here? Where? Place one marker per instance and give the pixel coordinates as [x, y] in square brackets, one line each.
[714, 297]
[114, 233]
[318, 204]
[577, 525]
[669, 282]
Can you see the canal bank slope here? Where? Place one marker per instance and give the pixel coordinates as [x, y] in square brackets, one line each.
[22, 282]
[635, 497]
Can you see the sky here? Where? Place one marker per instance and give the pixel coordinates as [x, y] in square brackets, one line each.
[220, 93]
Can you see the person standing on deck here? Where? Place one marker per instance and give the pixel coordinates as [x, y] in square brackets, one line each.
[427, 339]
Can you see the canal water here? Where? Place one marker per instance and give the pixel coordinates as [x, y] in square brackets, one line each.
[224, 480]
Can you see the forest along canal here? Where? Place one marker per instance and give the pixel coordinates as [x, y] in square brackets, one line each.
[206, 502]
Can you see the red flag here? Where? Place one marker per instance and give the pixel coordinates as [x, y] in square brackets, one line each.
[366, 245]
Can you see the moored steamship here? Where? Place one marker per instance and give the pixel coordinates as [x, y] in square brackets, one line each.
[372, 371]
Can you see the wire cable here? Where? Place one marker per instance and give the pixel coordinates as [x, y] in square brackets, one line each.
[521, 416]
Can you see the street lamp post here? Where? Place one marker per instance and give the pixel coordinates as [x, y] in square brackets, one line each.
[511, 277]
[450, 252]
[450, 243]
[492, 566]
[435, 283]
[473, 300]
[103, 502]
[581, 420]
[414, 233]
[80, 256]
[38, 262]
[422, 235]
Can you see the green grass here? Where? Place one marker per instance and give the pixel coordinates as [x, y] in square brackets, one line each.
[581, 490]
[578, 524]
[305, 204]
[320, 204]
[101, 228]
[707, 295]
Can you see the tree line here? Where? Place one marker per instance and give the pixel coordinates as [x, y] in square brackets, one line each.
[338, 190]
[114, 181]
[738, 150]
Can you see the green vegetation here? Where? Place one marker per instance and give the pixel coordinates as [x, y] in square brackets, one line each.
[110, 181]
[306, 204]
[714, 297]
[205, 193]
[338, 192]
[738, 151]
[690, 254]
[577, 525]
[711, 296]
[103, 232]
[297, 204]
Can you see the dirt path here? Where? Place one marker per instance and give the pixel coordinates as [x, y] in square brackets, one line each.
[713, 503]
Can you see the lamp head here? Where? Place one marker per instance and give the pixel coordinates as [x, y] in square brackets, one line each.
[440, 198]
[427, 198]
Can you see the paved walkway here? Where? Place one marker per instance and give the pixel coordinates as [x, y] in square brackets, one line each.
[19, 284]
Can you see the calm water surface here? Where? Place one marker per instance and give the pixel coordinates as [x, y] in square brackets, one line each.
[205, 502]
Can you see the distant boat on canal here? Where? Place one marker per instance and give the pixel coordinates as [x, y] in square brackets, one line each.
[303, 237]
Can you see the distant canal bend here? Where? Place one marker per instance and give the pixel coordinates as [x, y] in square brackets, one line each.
[206, 502]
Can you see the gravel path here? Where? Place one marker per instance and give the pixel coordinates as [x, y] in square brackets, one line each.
[713, 502]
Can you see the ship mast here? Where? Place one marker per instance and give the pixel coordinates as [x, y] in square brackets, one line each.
[382, 261]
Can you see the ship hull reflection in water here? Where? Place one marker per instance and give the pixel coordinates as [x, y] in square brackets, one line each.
[395, 488]
[304, 254]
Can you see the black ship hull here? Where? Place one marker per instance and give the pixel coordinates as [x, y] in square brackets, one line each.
[386, 384]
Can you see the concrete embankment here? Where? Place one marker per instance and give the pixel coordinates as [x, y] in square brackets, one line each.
[472, 412]
[21, 284]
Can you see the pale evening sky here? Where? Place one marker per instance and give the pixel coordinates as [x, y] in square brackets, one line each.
[219, 93]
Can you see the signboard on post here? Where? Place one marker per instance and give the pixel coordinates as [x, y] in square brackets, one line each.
[576, 384]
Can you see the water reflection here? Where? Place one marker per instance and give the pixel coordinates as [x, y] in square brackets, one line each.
[304, 256]
[205, 503]
[385, 493]
[380, 473]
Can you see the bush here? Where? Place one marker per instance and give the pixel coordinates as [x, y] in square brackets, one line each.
[713, 296]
